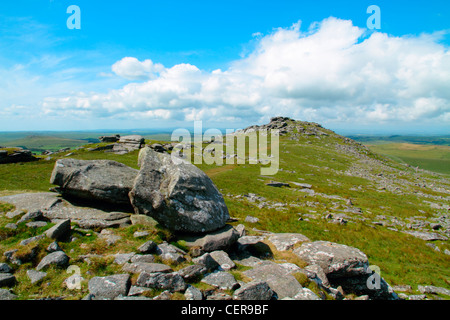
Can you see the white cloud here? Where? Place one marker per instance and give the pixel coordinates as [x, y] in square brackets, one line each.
[331, 72]
[132, 69]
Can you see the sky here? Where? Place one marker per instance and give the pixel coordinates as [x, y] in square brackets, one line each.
[140, 64]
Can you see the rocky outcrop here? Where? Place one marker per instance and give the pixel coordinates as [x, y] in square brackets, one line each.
[128, 144]
[100, 180]
[178, 195]
[15, 155]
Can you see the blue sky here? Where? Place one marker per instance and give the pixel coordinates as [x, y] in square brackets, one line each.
[147, 64]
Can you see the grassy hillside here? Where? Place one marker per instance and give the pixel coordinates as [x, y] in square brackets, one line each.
[376, 197]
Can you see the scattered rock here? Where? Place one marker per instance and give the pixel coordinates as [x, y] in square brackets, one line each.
[336, 260]
[223, 260]
[434, 290]
[58, 258]
[4, 268]
[251, 219]
[427, 236]
[60, 230]
[109, 287]
[286, 241]
[7, 280]
[221, 239]
[255, 290]
[192, 293]
[7, 295]
[222, 280]
[306, 294]
[278, 279]
[36, 276]
[147, 247]
[148, 267]
[165, 281]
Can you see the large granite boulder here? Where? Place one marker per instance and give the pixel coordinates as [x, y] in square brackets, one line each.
[177, 194]
[103, 180]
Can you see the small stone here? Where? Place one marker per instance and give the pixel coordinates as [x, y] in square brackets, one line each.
[223, 260]
[222, 280]
[192, 293]
[7, 280]
[36, 276]
[147, 247]
[58, 258]
[4, 268]
[251, 219]
[110, 287]
[141, 234]
[53, 247]
[255, 290]
[7, 295]
[36, 224]
[59, 230]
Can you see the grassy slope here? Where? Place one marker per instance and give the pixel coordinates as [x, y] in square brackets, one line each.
[402, 258]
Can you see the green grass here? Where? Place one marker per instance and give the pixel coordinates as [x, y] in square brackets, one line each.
[428, 157]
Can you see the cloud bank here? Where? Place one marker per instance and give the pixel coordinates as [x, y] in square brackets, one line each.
[334, 72]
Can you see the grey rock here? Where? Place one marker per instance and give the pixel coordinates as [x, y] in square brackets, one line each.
[306, 294]
[121, 258]
[58, 258]
[427, 236]
[336, 260]
[251, 219]
[255, 290]
[192, 293]
[54, 246]
[102, 180]
[7, 280]
[223, 260]
[286, 241]
[221, 296]
[141, 234]
[32, 239]
[4, 268]
[60, 230]
[32, 202]
[110, 287]
[132, 298]
[109, 236]
[222, 280]
[142, 258]
[434, 290]
[221, 239]
[193, 272]
[135, 290]
[7, 295]
[143, 220]
[207, 260]
[278, 279]
[148, 267]
[36, 276]
[166, 281]
[36, 224]
[30, 216]
[177, 194]
[11, 226]
[147, 247]
[170, 253]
